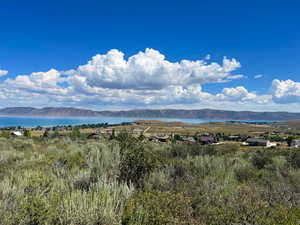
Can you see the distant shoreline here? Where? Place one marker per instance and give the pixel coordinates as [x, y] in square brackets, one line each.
[31, 122]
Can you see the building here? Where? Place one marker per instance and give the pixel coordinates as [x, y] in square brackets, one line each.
[188, 140]
[205, 140]
[16, 134]
[93, 136]
[162, 138]
[260, 142]
[137, 131]
[295, 143]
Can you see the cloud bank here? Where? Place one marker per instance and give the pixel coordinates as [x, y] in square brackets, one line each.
[146, 79]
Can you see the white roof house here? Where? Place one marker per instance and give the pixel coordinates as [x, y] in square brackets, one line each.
[17, 133]
[260, 142]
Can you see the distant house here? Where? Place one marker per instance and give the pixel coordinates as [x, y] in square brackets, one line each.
[188, 140]
[260, 142]
[137, 131]
[93, 136]
[16, 134]
[295, 143]
[162, 138]
[234, 137]
[206, 140]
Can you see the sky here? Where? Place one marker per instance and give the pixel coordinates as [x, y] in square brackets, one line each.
[112, 55]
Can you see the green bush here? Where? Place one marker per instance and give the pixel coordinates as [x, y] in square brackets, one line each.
[75, 133]
[69, 160]
[5, 134]
[245, 174]
[37, 183]
[260, 160]
[38, 210]
[27, 133]
[126, 141]
[293, 159]
[136, 164]
[185, 150]
[257, 213]
[226, 149]
[62, 181]
[157, 208]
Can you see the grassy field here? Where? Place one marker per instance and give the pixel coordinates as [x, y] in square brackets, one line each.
[76, 181]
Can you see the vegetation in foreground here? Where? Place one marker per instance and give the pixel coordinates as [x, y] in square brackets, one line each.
[70, 180]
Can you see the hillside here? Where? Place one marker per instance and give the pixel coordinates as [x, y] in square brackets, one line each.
[49, 111]
[290, 124]
[149, 113]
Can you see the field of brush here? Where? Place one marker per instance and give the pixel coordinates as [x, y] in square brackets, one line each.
[69, 180]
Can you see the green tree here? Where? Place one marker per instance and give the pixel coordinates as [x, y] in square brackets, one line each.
[136, 162]
[260, 160]
[46, 134]
[290, 139]
[293, 159]
[75, 132]
[56, 133]
[27, 133]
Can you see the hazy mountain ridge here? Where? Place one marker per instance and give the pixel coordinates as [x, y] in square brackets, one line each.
[150, 113]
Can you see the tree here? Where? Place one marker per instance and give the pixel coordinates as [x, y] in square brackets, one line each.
[260, 160]
[75, 132]
[46, 134]
[27, 133]
[136, 161]
[113, 135]
[56, 133]
[290, 139]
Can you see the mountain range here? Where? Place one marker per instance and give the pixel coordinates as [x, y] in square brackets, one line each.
[210, 114]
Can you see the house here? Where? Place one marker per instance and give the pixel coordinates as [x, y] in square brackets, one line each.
[205, 140]
[295, 143]
[188, 140]
[137, 131]
[93, 136]
[260, 142]
[234, 137]
[16, 134]
[162, 138]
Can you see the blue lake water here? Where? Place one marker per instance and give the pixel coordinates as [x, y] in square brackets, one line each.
[6, 121]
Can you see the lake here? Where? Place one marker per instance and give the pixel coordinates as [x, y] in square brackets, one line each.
[7, 121]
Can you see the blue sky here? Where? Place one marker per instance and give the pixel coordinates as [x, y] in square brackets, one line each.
[262, 36]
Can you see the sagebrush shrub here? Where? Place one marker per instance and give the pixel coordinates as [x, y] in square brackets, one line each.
[136, 164]
[260, 160]
[153, 208]
[293, 159]
[245, 174]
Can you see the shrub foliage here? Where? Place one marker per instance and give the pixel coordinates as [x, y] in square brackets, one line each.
[56, 180]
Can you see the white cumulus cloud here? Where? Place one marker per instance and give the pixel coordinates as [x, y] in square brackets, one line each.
[150, 70]
[3, 72]
[285, 91]
[40, 82]
[241, 95]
